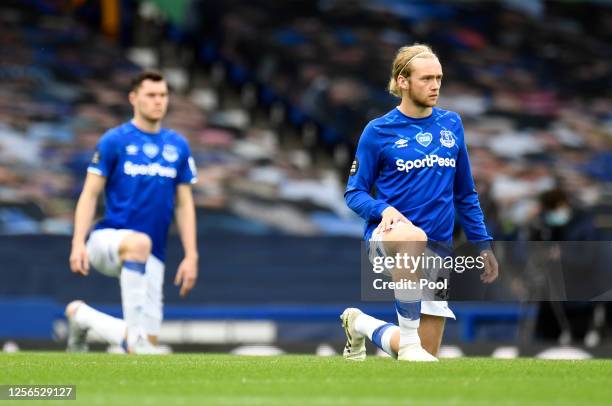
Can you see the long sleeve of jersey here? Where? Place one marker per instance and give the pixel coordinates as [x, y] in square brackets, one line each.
[466, 199]
[362, 177]
[105, 157]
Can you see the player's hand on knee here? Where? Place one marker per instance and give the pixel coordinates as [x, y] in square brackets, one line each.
[391, 216]
[491, 268]
[186, 275]
[79, 261]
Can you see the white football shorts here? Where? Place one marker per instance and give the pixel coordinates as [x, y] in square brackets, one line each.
[103, 252]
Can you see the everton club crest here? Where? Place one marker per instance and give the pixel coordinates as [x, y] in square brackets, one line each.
[447, 139]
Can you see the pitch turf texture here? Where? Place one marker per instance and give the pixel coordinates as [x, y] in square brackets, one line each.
[212, 379]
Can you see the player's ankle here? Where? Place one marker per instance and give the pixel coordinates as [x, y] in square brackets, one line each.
[409, 337]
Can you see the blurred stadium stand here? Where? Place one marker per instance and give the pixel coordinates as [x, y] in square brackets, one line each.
[273, 96]
[301, 288]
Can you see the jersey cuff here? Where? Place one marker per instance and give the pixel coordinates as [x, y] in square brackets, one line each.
[482, 245]
[95, 171]
[379, 208]
[189, 182]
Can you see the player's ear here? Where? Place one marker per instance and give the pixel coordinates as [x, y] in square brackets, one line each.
[403, 82]
[132, 97]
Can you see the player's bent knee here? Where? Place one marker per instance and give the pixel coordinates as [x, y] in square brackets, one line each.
[408, 238]
[414, 233]
[406, 232]
[135, 247]
[138, 242]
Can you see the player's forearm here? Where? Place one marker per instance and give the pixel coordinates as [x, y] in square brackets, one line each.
[186, 224]
[466, 200]
[83, 217]
[472, 218]
[365, 205]
[475, 231]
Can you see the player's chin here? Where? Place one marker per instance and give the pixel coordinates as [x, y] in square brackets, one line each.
[156, 115]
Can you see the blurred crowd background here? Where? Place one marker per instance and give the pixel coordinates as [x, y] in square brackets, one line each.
[273, 97]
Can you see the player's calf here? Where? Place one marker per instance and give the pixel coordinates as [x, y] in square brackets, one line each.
[134, 251]
[431, 329]
[83, 318]
[153, 309]
[409, 242]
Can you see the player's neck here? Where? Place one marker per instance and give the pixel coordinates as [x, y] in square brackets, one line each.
[413, 111]
[146, 125]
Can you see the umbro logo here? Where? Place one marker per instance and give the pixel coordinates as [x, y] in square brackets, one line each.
[131, 149]
[401, 143]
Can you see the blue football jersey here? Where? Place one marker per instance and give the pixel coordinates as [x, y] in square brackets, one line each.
[142, 172]
[420, 166]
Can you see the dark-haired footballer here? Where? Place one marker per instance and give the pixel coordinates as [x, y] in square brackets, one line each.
[146, 172]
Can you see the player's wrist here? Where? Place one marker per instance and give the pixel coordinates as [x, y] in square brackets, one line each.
[387, 210]
[192, 256]
[78, 242]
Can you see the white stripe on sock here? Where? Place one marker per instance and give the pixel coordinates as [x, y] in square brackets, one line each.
[409, 331]
[366, 324]
[385, 340]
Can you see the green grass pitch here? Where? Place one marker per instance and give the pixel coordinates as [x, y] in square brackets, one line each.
[215, 379]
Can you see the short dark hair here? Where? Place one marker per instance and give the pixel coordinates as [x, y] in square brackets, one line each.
[148, 74]
[554, 198]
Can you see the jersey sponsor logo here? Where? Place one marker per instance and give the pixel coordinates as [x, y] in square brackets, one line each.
[170, 153]
[429, 161]
[131, 149]
[424, 139]
[401, 143]
[447, 139]
[154, 169]
[96, 158]
[150, 150]
[354, 167]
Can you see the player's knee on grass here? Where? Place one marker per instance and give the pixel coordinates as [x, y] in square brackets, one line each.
[135, 247]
